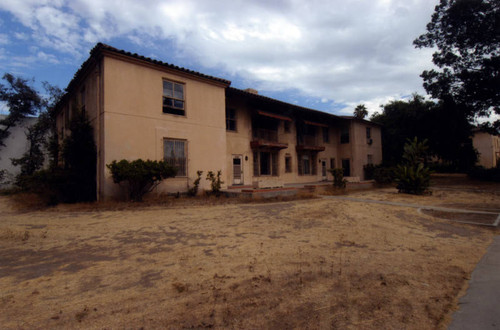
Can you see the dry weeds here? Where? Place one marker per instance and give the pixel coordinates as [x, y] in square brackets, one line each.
[296, 264]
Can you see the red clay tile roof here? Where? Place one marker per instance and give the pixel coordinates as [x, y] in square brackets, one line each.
[100, 46]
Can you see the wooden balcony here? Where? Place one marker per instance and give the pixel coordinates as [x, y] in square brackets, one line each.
[309, 142]
[266, 138]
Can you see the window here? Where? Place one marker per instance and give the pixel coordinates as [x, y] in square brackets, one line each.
[346, 166]
[369, 159]
[326, 135]
[175, 154]
[286, 126]
[288, 164]
[173, 98]
[307, 164]
[265, 163]
[368, 132]
[344, 135]
[332, 163]
[231, 119]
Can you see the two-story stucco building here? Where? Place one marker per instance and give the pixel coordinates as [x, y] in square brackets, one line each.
[144, 108]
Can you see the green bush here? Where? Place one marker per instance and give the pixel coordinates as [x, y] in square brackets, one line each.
[215, 182]
[413, 179]
[141, 176]
[384, 174]
[193, 191]
[485, 174]
[369, 170]
[338, 177]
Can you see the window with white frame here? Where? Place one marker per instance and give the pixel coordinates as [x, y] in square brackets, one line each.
[175, 154]
[173, 98]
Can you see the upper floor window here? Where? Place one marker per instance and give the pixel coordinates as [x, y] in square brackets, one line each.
[368, 132]
[286, 126]
[230, 119]
[344, 135]
[173, 98]
[326, 135]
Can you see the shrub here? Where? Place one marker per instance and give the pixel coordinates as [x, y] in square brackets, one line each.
[413, 177]
[384, 174]
[193, 191]
[215, 182]
[338, 177]
[369, 170]
[141, 176]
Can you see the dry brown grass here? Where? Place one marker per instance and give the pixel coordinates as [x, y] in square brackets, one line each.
[192, 263]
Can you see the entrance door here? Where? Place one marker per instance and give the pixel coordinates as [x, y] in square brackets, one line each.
[237, 169]
[323, 169]
[346, 166]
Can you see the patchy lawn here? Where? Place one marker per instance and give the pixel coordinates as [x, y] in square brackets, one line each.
[317, 263]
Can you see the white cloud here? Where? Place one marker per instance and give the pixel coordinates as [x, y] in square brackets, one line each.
[343, 51]
[4, 39]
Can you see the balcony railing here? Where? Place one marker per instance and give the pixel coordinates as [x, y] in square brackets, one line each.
[266, 135]
[266, 138]
[309, 142]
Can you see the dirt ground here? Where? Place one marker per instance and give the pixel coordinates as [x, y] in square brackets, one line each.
[316, 263]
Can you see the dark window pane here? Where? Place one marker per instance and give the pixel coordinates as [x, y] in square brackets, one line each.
[178, 104]
[178, 91]
[168, 89]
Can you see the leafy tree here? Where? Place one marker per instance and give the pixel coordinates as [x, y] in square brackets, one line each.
[467, 37]
[80, 159]
[360, 112]
[22, 100]
[443, 124]
[141, 176]
[402, 120]
[42, 135]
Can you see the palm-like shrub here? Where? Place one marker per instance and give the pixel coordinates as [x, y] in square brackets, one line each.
[413, 177]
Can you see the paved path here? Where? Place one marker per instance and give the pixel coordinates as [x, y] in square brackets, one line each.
[480, 307]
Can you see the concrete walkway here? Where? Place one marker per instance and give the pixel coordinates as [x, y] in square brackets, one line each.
[479, 308]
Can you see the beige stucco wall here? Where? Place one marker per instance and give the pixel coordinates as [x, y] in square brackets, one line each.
[238, 143]
[135, 126]
[361, 148]
[488, 147]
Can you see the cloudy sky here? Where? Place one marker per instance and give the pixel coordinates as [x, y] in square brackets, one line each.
[326, 55]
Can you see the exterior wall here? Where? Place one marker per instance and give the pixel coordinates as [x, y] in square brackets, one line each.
[135, 126]
[361, 148]
[16, 145]
[488, 147]
[357, 150]
[238, 143]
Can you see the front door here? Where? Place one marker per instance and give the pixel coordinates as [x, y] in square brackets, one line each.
[346, 166]
[237, 169]
[323, 169]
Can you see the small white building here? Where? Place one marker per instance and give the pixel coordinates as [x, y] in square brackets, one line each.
[488, 147]
[15, 146]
